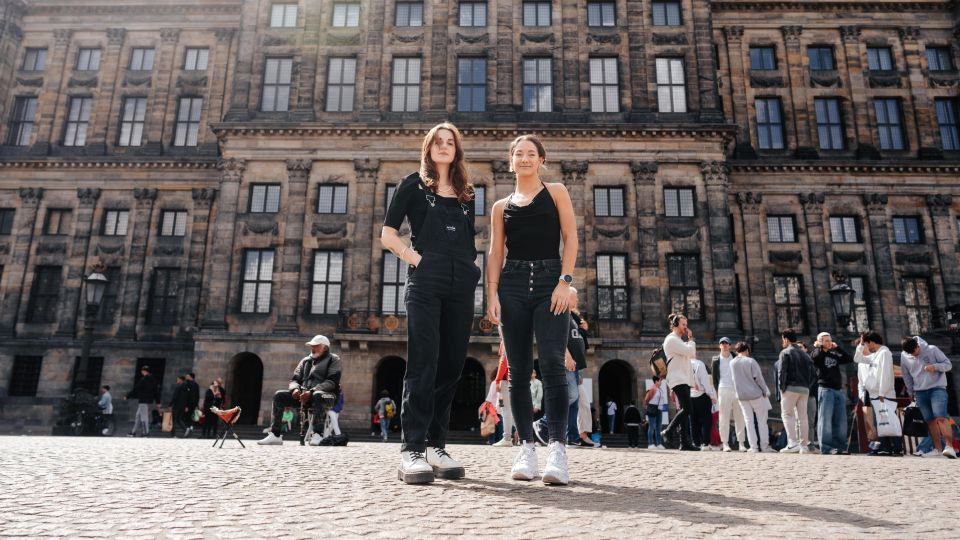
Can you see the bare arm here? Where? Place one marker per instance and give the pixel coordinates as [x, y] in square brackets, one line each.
[495, 257]
[568, 226]
[390, 239]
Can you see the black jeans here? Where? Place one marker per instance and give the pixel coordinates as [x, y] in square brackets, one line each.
[682, 418]
[439, 301]
[702, 419]
[524, 292]
[284, 398]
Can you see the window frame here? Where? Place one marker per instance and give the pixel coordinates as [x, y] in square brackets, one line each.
[201, 55]
[327, 282]
[473, 5]
[676, 190]
[254, 201]
[258, 281]
[598, 15]
[472, 90]
[278, 90]
[404, 18]
[284, 14]
[877, 56]
[922, 320]
[45, 294]
[763, 53]
[162, 307]
[398, 285]
[346, 15]
[949, 128]
[7, 215]
[77, 123]
[92, 375]
[341, 62]
[860, 311]
[130, 126]
[142, 59]
[831, 127]
[111, 227]
[63, 215]
[820, 55]
[889, 126]
[335, 191]
[911, 236]
[107, 311]
[479, 299]
[93, 57]
[175, 216]
[606, 209]
[601, 90]
[34, 59]
[188, 127]
[25, 376]
[405, 87]
[799, 326]
[770, 127]
[664, 7]
[541, 91]
[537, 21]
[22, 121]
[842, 222]
[684, 288]
[779, 220]
[939, 59]
[617, 312]
[479, 200]
[670, 85]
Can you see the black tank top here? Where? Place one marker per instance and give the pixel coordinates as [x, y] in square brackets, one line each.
[532, 231]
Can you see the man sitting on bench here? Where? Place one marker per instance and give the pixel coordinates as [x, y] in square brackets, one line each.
[314, 384]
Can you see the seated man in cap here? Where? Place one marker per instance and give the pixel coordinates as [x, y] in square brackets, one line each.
[314, 383]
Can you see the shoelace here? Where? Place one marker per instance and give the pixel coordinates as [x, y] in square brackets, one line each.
[414, 456]
[556, 454]
[525, 454]
[442, 453]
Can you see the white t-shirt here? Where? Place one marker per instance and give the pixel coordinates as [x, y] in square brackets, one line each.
[726, 378]
[611, 408]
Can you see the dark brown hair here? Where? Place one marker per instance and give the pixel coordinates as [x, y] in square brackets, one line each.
[742, 347]
[458, 168]
[541, 151]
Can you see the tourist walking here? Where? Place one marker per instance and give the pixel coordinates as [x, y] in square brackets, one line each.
[385, 409]
[631, 423]
[924, 368]
[653, 402]
[529, 293]
[502, 380]
[795, 373]
[827, 358]
[611, 415]
[680, 376]
[333, 416]
[147, 393]
[754, 397]
[703, 397]
[441, 280]
[536, 395]
[211, 398]
[727, 401]
[876, 384]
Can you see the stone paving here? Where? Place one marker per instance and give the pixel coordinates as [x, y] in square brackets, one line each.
[165, 488]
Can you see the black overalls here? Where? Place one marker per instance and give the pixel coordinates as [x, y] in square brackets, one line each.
[440, 302]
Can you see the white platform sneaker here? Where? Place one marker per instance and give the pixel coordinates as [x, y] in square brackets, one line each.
[525, 464]
[414, 468]
[556, 470]
[270, 440]
[443, 465]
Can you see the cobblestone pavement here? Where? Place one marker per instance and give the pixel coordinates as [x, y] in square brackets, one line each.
[120, 487]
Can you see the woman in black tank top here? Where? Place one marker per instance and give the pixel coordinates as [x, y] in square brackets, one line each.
[529, 292]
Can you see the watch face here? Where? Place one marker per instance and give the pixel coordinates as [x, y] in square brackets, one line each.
[567, 278]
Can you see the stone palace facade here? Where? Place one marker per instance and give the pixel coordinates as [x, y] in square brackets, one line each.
[229, 162]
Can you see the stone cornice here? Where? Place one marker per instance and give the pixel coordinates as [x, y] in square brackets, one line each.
[47, 163]
[834, 5]
[873, 168]
[120, 8]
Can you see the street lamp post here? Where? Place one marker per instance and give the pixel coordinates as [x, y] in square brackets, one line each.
[96, 286]
[841, 296]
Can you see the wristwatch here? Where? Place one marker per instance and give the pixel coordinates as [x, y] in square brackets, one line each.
[566, 278]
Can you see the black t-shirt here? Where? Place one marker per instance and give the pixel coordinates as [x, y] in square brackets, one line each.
[576, 345]
[409, 201]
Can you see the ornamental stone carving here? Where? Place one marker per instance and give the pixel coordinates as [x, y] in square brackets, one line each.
[169, 35]
[791, 258]
[850, 33]
[319, 229]
[939, 205]
[397, 38]
[224, 34]
[644, 171]
[791, 34]
[574, 171]
[30, 196]
[848, 257]
[875, 202]
[614, 39]
[145, 196]
[750, 202]
[204, 197]
[766, 81]
[261, 228]
[537, 38]
[913, 258]
[473, 40]
[501, 171]
[368, 170]
[667, 39]
[88, 196]
[812, 202]
[909, 33]
[115, 36]
[62, 37]
[299, 169]
[24, 81]
[715, 173]
[231, 169]
[733, 33]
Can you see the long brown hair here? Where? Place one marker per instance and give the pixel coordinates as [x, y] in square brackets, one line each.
[458, 168]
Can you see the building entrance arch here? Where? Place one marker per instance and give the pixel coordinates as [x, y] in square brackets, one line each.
[245, 387]
[617, 382]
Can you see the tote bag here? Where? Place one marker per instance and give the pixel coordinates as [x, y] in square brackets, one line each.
[888, 425]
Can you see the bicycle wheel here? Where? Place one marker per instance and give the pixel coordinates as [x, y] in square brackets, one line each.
[108, 426]
[77, 425]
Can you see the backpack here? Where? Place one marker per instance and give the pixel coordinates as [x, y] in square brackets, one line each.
[659, 363]
[335, 440]
[390, 409]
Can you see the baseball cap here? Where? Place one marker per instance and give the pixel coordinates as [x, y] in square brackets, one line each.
[725, 340]
[319, 340]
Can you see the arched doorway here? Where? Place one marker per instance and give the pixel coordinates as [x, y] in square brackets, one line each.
[471, 392]
[389, 377]
[246, 386]
[617, 382]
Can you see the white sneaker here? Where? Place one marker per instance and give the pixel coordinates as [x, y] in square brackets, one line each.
[949, 452]
[525, 464]
[661, 447]
[790, 449]
[315, 439]
[770, 450]
[503, 443]
[270, 440]
[752, 451]
[705, 448]
[805, 450]
[726, 448]
[414, 468]
[933, 454]
[555, 471]
[443, 465]
[743, 448]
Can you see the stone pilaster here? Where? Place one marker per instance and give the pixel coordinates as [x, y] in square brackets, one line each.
[51, 95]
[877, 219]
[738, 77]
[706, 63]
[758, 302]
[200, 238]
[365, 271]
[650, 301]
[503, 180]
[439, 35]
[77, 262]
[137, 289]
[106, 107]
[943, 229]
[216, 289]
[504, 109]
[292, 261]
[863, 138]
[923, 114]
[15, 271]
[243, 65]
[568, 91]
[796, 75]
[369, 103]
[219, 62]
[817, 248]
[162, 116]
[640, 100]
[717, 181]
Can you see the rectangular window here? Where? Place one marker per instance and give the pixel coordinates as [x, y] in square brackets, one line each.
[327, 282]
[472, 84]
[111, 296]
[88, 59]
[341, 84]
[780, 229]
[86, 375]
[34, 59]
[612, 298]
[601, 14]
[860, 316]
[409, 14]
[188, 122]
[844, 229]
[608, 201]
[283, 15]
[346, 15]
[829, 125]
[478, 306]
[45, 294]
[25, 376]
[769, 124]
[78, 120]
[132, 121]
[916, 298]
[678, 202]
[686, 296]
[257, 281]
[405, 96]
[537, 84]
[394, 281]
[479, 200]
[115, 222]
[473, 13]
[22, 121]
[6, 220]
[671, 88]
[889, 124]
[141, 59]
[264, 198]
[196, 59]
[536, 13]
[879, 59]
[763, 58]
[947, 120]
[938, 59]
[58, 222]
[906, 230]
[277, 74]
[788, 302]
[332, 199]
[821, 58]
[164, 291]
[604, 85]
[173, 223]
[667, 14]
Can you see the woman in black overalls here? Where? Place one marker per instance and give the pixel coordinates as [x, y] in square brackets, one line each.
[441, 280]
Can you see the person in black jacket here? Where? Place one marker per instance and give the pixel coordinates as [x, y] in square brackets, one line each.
[213, 397]
[146, 392]
[796, 373]
[193, 399]
[315, 383]
[832, 418]
[632, 420]
[179, 408]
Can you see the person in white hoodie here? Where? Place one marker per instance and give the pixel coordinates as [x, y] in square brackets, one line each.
[875, 375]
[680, 377]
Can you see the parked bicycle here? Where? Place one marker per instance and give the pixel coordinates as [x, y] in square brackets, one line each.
[93, 422]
